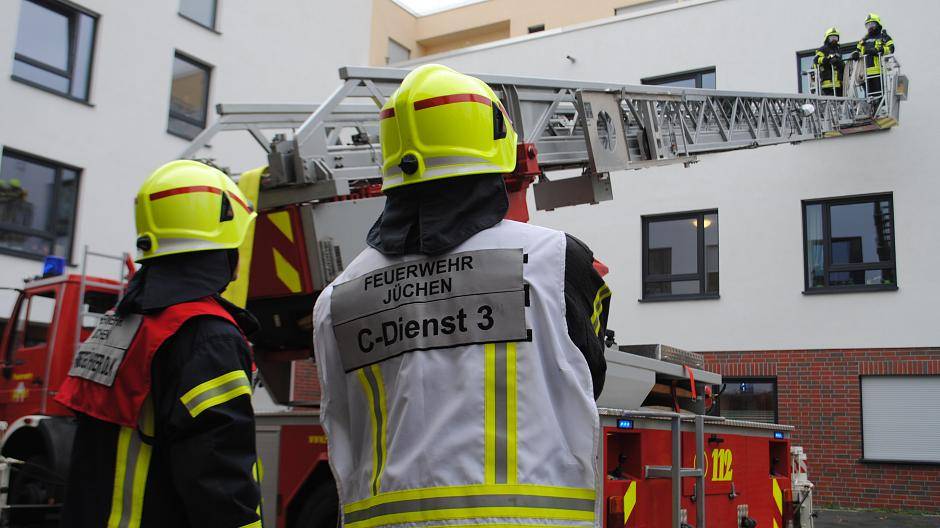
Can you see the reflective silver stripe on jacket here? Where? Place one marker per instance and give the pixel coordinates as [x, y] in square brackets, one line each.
[470, 502]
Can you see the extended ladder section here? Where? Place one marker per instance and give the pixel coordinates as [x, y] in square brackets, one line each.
[329, 150]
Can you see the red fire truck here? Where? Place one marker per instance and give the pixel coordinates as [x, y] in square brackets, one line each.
[666, 461]
[743, 467]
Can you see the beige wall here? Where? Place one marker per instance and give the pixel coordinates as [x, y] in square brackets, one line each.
[478, 23]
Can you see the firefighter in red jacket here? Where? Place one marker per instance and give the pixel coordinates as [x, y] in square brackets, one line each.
[161, 388]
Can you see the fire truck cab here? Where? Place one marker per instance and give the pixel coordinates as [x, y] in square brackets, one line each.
[51, 315]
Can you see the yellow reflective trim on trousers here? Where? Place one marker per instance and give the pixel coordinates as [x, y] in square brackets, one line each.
[511, 408]
[489, 413]
[216, 391]
[140, 484]
[130, 478]
[374, 387]
[256, 524]
[602, 293]
[562, 492]
[470, 513]
[120, 469]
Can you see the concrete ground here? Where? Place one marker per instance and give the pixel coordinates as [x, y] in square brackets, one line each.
[873, 519]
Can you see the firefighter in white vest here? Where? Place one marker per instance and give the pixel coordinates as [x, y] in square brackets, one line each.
[460, 355]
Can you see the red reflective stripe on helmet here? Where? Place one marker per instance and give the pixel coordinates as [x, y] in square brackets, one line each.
[240, 202]
[184, 190]
[388, 112]
[448, 99]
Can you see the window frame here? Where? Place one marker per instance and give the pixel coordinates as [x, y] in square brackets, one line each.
[47, 235]
[844, 48]
[755, 379]
[215, 17]
[700, 275]
[695, 74]
[208, 68]
[70, 10]
[861, 424]
[826, 204]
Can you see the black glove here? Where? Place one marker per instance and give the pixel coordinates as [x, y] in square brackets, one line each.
[855, 55]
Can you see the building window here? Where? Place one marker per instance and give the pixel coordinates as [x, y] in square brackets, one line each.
[189, 96]
[849, 243]
[680, 255]
[38, 200]
[703, 78]
[536, 28]
[54, 47]
[900, 418]
[805, 61]
[397, 53]
[201, 12]
[751, 399]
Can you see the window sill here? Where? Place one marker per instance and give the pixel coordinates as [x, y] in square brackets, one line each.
[200, 24]
[666, 298]
[898, 462]
[51, 91]
[851, 289]
[182, 136]
[22, 254]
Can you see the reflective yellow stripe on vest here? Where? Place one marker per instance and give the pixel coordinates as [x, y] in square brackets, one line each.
[216, 391]
[500, 413]
[485, 501]
[130, 472]
[374, 387]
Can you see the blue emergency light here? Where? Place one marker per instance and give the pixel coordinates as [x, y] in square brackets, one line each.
[53, 266]
[778, 435]
[625, 424]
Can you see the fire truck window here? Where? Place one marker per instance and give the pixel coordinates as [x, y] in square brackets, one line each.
[96, 304]
[38, 318]
[749, 399]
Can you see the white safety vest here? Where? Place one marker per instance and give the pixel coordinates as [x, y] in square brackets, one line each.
[451, 392]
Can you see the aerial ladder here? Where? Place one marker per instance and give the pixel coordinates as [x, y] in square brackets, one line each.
[319, 193]
[597, 128]
[321, 189]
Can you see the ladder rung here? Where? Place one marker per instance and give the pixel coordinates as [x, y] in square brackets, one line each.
[653, 472]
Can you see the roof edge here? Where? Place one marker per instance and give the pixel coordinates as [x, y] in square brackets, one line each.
[683, 4]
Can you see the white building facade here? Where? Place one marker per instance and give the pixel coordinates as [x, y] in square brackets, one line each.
[851, 218]
[96, 94]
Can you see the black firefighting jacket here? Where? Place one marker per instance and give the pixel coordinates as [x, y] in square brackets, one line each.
[830, 70]
[202, 470]
[873, 46]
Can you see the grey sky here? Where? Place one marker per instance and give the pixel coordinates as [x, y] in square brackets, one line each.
[427, 6]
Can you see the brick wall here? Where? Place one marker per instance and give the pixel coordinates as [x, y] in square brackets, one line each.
[819, 393]
[306, 383]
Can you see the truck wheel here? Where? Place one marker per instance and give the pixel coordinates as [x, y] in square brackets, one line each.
[34, 483]
[320, 508]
